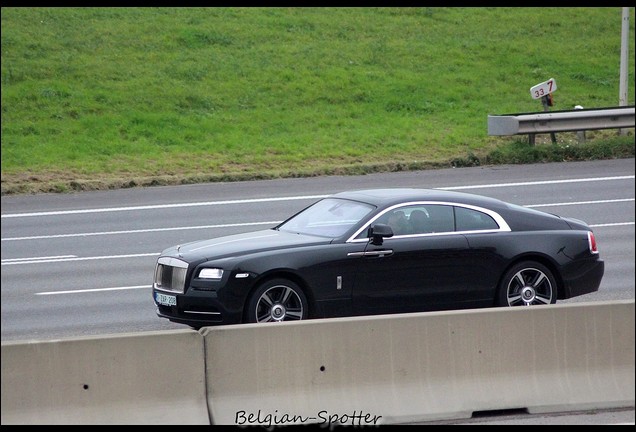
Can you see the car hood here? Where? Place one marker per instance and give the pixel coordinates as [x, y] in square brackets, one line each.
[241, 244]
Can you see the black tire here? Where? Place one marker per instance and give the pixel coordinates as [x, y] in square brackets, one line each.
[277, 300]
[527, 283]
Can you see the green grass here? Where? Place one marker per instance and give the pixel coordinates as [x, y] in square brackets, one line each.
[120, 97]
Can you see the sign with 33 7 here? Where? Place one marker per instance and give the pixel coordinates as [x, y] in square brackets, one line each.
[543, 89]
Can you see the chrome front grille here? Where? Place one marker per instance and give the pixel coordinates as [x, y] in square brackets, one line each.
[170, 275]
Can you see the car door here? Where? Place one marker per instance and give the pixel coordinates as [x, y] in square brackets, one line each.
[425, 269]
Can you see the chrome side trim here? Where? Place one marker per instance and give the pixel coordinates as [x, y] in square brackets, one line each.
[202, 312]
[372, 253]
[503, 225]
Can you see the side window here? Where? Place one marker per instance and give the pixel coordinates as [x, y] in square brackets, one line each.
[430, 218]
[396, 219]
[473, 220]
[418, 221]
[398, 222]
[440, 218]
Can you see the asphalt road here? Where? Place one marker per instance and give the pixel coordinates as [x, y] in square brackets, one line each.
[81, 264]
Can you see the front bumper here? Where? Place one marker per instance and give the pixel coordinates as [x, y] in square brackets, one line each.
[198, 309]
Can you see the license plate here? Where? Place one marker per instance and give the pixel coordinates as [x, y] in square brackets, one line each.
[166, 300]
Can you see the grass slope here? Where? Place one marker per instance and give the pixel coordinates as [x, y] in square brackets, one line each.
[105, 97]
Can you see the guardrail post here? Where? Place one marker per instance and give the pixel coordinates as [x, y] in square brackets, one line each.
[547, 102]
[580, 134]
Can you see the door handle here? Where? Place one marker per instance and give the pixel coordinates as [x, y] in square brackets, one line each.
[378, 253]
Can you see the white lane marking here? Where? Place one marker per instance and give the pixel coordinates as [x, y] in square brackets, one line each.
[93, 290]
[535, 183]
[256, 200]
[140, 231]
[580, 203]
[38, 258]
[272, 223]
[154, 207]
[55, 259]
[611, 224]
[73, 258]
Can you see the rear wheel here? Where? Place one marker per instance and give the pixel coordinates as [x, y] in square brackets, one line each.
[277, 300]
[527, 283]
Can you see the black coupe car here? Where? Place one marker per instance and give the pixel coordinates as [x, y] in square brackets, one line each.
[380, 251]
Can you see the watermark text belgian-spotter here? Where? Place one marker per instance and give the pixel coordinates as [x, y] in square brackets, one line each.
[323, 418]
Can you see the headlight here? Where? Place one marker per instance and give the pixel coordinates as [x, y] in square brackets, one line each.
[211, 273]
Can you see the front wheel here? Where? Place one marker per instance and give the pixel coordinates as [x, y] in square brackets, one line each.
[527, 283]
[277, 300]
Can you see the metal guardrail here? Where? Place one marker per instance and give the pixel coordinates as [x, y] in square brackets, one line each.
[561, 121]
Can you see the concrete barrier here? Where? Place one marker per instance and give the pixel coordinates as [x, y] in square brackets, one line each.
[144, 378]
[422, 367]
[356, 371]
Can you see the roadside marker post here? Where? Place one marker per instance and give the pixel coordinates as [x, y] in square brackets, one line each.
[544, 92]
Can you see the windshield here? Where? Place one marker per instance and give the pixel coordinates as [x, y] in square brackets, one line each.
[330, 217]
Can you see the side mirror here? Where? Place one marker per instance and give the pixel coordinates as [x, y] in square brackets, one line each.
[378, 232]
